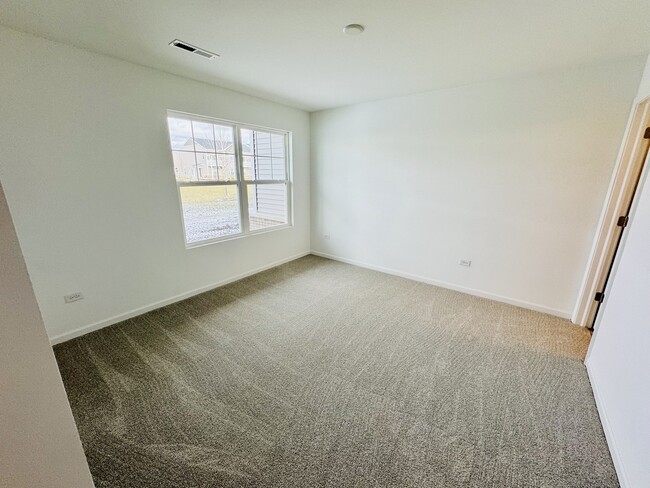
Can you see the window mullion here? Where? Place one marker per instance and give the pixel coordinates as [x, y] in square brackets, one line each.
[196, 161]
[216, 158]
[288, 178]
[243, 188]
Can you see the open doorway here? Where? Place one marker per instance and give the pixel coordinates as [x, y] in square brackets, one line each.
[615, 215]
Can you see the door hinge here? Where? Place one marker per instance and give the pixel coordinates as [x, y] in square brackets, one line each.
[647, 133]
[623, 220]
[600, 296]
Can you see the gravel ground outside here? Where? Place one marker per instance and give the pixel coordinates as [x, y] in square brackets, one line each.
[210, 212]
[213, 212]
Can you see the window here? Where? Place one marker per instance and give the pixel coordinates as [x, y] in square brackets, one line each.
[233, 179]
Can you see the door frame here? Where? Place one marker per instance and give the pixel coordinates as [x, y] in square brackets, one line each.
[618, 202]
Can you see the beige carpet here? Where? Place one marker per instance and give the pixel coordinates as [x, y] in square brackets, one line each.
[322, 374]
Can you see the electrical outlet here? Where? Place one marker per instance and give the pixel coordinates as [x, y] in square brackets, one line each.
[465, 262]
[73, 297]
[326, 237]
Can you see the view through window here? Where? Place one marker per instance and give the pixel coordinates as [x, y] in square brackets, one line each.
[232, 178]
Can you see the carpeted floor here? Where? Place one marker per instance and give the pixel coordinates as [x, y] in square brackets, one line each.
[318, 373]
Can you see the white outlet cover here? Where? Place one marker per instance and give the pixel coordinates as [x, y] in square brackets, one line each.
[73, 297]
[465, 262]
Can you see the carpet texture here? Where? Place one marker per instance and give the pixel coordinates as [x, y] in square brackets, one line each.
[322, 374]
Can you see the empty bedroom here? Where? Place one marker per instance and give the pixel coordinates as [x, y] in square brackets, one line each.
[324, 244]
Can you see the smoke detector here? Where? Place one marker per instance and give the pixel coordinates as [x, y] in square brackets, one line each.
[353, 29]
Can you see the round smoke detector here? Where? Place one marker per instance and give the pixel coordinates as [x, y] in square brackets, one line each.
[353, 29]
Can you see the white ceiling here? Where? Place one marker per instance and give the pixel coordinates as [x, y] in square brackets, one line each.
[294, 51]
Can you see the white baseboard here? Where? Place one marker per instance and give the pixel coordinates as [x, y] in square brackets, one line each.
[470, 291]
[66, 336]
[609, 435]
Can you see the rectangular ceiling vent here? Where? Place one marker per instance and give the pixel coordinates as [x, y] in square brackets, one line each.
[193, 49]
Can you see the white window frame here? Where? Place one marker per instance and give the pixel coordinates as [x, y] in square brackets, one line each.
[241, 183]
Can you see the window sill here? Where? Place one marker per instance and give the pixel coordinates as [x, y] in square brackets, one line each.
[233, 237]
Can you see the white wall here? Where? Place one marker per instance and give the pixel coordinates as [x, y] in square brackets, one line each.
[84, 159]
[619, 357]
[510, 174]
[39, 443]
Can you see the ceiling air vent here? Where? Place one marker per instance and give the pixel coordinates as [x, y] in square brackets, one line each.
[193, 49]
